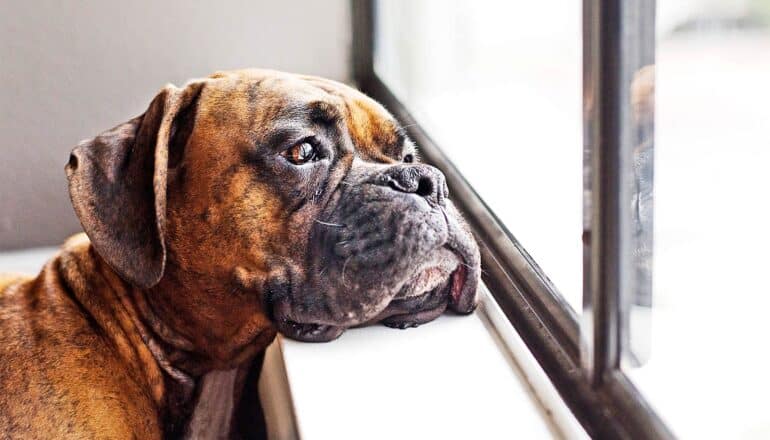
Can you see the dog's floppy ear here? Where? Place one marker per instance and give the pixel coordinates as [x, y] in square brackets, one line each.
[117, 183]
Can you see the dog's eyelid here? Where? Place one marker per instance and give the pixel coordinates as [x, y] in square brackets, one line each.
[311, 146]
[322, 149]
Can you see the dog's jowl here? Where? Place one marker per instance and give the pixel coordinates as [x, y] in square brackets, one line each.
[239, 205]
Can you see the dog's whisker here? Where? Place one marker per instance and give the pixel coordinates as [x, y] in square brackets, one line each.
[335, 225]
[344, 266]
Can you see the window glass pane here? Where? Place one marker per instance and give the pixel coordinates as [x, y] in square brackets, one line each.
[498, 87]
[707, 370]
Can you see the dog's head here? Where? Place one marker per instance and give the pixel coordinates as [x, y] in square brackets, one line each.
[257, 195]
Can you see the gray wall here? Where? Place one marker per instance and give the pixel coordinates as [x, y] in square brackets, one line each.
[70, 69]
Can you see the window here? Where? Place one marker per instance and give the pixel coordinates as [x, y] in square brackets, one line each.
[706, 373]
[489, 84]
[641, 341]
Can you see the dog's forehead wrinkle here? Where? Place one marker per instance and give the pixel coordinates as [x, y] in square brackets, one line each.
[282, 131]
[298, 115]
[295, 99]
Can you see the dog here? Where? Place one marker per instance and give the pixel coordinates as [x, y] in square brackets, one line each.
[237, 206]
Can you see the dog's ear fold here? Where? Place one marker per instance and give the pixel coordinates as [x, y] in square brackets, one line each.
[117, 183]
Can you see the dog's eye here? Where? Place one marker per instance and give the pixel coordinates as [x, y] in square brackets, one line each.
[301, 153]
[409, 158]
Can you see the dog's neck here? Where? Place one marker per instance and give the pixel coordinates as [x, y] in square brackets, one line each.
[201, 400]
[211, 330]
[195, 387]
[218, 323]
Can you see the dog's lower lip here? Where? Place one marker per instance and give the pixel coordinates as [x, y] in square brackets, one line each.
[441, 290]
[425, 282]
[451, 288]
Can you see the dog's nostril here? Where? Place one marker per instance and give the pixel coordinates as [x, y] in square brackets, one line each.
[424, 187]
[73, 162]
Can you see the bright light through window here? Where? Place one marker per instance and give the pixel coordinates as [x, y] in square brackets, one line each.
[498, 86]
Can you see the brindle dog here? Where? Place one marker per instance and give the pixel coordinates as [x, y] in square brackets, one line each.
[241, 204]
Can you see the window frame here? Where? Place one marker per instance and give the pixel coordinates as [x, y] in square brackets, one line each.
[580, 356]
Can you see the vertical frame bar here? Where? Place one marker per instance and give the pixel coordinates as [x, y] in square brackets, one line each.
[363, 41]
[618, 44]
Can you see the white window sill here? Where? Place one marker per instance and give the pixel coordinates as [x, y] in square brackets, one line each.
[454, 378]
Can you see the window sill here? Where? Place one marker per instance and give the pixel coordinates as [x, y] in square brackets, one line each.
[457, 377]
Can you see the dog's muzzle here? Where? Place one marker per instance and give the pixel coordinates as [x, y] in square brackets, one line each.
[392, 248]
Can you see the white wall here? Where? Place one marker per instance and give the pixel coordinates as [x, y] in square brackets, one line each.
[71, 69]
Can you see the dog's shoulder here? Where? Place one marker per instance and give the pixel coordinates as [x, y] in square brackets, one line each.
[55, 349]
[48, 309]
[40, 315]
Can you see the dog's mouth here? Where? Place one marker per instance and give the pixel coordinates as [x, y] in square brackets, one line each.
[450, 284]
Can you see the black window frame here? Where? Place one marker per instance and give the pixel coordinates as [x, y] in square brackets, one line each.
[581, 356]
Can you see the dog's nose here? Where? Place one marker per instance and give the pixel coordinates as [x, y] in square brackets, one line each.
[422, 180]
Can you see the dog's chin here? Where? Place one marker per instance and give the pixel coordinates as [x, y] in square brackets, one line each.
[309, 332]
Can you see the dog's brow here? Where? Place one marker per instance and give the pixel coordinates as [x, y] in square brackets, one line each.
[324, 112]
[394, 143]
[283, 134]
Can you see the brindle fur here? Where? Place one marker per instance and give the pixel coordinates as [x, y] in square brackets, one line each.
[192, 226]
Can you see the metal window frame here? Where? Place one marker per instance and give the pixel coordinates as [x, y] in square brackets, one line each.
[581, 359]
